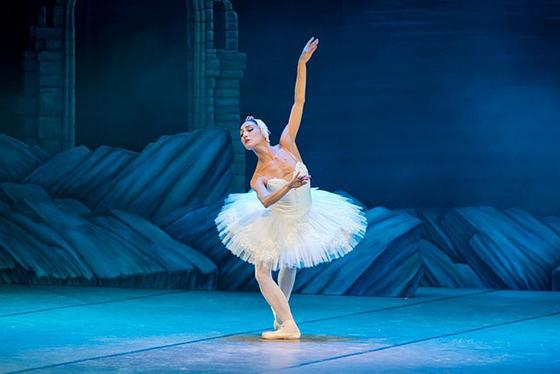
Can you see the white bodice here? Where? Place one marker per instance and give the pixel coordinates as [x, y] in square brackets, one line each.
[297, 201]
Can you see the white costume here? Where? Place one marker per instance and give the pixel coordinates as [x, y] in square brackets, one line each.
[307, 226]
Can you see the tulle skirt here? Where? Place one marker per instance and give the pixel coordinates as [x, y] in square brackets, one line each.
[330, 228]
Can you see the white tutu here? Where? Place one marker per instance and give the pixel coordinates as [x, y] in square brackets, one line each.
[307, 226]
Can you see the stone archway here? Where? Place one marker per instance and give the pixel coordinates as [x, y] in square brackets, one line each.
[48, 103]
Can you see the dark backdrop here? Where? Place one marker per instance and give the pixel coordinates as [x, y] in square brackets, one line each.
[409, 103]
[415, 103]
[131, 71]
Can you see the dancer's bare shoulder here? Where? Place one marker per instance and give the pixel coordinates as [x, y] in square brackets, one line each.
[259, 179]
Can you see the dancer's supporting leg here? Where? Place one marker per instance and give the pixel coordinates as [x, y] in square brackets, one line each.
[272, 293]
[286, 280]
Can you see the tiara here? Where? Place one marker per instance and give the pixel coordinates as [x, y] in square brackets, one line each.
[251, 118]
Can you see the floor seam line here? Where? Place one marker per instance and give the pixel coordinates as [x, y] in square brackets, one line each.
[85, 304]
[397, 306]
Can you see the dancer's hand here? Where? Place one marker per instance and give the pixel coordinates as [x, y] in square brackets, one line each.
[298, 181]
[308, 50]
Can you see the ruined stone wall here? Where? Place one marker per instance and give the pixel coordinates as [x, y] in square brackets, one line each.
[48, 99]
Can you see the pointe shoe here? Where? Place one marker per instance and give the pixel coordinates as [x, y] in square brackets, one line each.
[276, 325]
[284, 332]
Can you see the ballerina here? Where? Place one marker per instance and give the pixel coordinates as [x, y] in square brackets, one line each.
[283, 223]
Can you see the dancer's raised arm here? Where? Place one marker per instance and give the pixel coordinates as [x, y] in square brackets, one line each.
[289, 133]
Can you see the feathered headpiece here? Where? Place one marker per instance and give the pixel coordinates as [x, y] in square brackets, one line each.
[262, 126]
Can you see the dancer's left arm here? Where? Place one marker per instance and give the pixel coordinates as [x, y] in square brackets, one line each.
[289, 133]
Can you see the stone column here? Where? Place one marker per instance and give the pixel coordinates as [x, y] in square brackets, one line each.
[224, 71]
[42, 102]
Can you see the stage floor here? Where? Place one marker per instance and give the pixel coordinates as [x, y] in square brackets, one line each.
[86, 329]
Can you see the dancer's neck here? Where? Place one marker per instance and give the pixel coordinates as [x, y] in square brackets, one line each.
[265, 152]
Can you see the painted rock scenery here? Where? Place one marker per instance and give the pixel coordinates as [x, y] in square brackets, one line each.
[114, 217]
